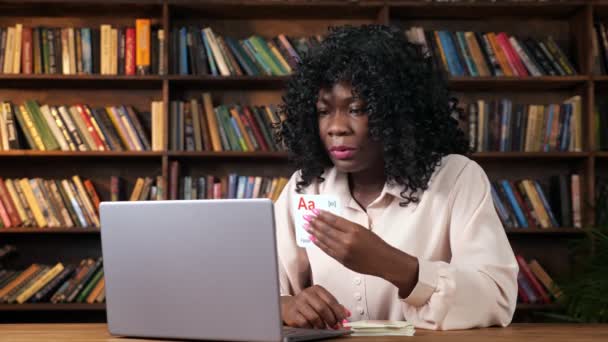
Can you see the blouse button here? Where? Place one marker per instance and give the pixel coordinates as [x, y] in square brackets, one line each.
[357, 296]
[360, 310]
[358, 280]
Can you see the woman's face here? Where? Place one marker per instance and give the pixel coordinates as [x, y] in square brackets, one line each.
[343, 128]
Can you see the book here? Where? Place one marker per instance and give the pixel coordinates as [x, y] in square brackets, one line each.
[381, 328]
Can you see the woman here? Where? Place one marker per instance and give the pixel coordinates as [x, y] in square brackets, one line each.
[367, 121]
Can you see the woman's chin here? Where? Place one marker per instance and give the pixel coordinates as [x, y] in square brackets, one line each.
[347, 165]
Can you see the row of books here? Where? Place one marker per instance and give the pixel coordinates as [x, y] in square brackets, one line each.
[197, 126]
[201, 51]
[43, 203]
[600, 49]
[504, 126]
[144, 189]
[534, 285]
[105, 50]
[601, 125]
[492, 54]
[222, 187]
[525, 204]
[59, 283]
[80, 127]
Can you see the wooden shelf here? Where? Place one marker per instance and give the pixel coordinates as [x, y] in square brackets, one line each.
[544, 83]
[228, 155]
[87, 231]
[228, 82]
[80, 81]
[529, 155]
[86, 154]
[601, 154]
[83, 9]
[545, 232]
[293, 9]
[409, 9]
[53, 307]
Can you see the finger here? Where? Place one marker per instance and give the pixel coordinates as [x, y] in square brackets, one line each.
[311, 315]
[339, 310]
[335, 221]
[324, 247]
[301, 321]
[322, 308]
[326, 234]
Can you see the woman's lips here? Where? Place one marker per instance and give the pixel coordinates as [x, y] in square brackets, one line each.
[342, 152]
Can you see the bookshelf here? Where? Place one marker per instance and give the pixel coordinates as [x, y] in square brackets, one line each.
[570, 22]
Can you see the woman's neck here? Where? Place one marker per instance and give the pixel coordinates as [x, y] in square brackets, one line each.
[366, 186]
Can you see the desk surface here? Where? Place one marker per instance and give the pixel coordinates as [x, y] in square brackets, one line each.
[516, 332]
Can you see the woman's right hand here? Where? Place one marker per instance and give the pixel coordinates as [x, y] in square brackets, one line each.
[314, 307]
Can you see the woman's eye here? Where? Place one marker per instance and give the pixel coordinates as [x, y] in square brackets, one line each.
[356, 111]
[322, 112]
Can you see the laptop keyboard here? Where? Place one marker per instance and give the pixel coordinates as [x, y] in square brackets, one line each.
[298, 331]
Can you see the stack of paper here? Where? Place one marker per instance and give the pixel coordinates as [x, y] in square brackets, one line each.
[381, 328]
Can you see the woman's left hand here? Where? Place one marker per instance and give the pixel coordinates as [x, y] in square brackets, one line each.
[351, 244]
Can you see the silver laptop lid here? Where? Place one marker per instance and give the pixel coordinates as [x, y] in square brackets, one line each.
[199, 269]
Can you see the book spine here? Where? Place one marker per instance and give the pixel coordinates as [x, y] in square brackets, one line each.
[17, 49]
[26, 55]
[47, 290]
[511, 196]
[489, 53]
[17, 192]
[105, 131]
[56, 117]
[75, 203]
[9, 205]
[523, 267]
[139, 129]
[142, 46]
[161, 52]
[60, 204]
[33, 204]
[209, 52]
[22, 277]
[72, 129]
[120, 129]
[88, 124]
[19, 205]
[44, 279]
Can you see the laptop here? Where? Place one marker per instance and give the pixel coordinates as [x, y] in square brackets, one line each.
[194, 269]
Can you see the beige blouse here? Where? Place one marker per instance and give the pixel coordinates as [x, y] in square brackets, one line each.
[467, 271]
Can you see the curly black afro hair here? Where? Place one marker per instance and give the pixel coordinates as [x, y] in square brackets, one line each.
[406, 99]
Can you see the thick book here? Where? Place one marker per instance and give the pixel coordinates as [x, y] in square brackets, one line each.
[142, 46]
[22, 277]
[545, 279]
[35, 286]
[212, 122]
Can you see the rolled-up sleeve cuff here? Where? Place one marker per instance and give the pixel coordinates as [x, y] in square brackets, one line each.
[428, 274]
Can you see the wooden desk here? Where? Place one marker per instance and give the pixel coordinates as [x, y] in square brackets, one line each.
[516, 332]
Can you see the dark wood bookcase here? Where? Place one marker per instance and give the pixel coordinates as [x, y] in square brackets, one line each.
[569, 22]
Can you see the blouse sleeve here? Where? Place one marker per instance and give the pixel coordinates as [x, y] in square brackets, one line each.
[478, 287]
[294, 268]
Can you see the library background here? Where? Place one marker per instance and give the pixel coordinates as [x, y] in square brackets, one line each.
[177, 99]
